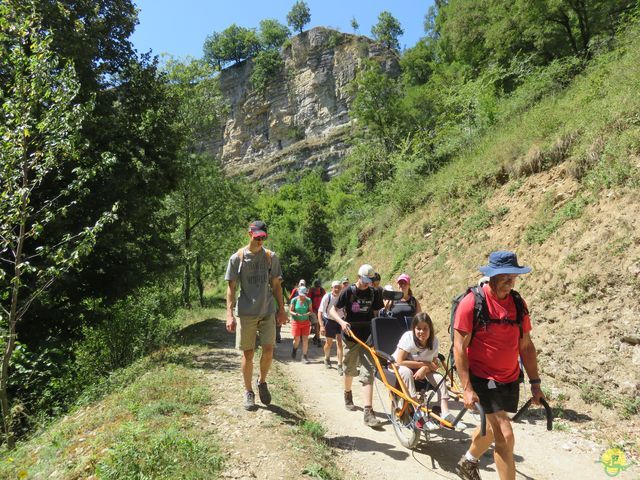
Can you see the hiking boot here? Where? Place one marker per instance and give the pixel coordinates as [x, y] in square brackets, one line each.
[468, 470]
[327, 362]
[348, 401]
[305, 359]
[263, 392]
[294, 350]
[250, 401]
[370, 419]
[340, 369]
[451, 418]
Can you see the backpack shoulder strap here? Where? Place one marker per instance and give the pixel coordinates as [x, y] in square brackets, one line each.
[413, 302]
[269, 254]
[240, 254]
[480, 310]
[352, 293]
[521, 310]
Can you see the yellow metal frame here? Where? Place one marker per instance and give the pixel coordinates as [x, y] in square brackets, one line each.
[403, 393]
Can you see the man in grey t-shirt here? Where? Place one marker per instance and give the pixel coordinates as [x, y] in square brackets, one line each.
[258, 272]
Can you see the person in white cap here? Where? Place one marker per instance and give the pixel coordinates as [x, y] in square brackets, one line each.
[361, 303]
[294, 291]
[486, 352]
[330, 328]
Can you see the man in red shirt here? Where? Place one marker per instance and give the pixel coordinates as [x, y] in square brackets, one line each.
[486, 359]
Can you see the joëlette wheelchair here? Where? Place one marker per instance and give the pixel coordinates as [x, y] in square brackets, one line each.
[403, 411]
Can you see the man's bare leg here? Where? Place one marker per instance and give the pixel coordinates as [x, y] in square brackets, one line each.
[504, 444]
[265, 362]
[247, 368]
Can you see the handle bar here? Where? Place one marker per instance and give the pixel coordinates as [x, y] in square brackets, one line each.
[547, 411]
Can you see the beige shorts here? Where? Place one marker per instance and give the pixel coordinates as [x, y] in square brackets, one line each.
[250, 327]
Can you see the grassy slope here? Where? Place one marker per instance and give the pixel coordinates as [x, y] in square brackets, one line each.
[170, 416]
[558, 183]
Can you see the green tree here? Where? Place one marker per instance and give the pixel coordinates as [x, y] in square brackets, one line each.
[203, 196]
[128, 133]
[299, 16]
[355, 26]
[131, 123]
[387, 30]
[377, 104]
[40, 124]
[232, 45]
[267, 66]
[481, 33]
[417, 63]
[272, 34]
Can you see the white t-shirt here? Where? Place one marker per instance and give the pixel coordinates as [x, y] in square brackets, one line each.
[327, 302]
[416, 353]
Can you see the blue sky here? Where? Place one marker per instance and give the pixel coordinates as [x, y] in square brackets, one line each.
[179, 27]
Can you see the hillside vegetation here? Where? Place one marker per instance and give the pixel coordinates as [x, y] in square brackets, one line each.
[558, 183]
[500, 131]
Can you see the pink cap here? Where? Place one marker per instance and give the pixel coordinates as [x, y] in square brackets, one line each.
[404, 278]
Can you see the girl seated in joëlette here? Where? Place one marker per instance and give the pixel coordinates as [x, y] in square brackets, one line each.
[417, 359]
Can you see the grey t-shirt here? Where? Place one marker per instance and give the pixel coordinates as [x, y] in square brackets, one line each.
[256, 297]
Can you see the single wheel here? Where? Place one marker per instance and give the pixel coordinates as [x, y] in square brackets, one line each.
[402, 420]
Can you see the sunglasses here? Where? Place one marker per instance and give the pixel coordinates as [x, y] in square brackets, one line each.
[260, 239]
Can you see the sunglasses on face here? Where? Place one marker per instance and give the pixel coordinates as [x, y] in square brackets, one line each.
[259, 239]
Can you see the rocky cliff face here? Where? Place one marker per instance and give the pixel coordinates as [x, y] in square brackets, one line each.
[301, 120]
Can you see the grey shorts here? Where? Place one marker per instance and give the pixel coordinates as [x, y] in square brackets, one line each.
[356, 356]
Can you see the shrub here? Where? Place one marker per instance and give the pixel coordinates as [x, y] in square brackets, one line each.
[127, 330]
[267, 65]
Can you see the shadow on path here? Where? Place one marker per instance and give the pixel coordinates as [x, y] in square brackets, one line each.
[349, 443]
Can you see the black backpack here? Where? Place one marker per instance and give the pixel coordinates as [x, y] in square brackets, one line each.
[353, 296]
[481, 317]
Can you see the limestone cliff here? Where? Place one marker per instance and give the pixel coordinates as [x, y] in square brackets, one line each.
[302, 118]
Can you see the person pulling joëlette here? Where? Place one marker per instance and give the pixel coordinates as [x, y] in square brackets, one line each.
[257, 271]
[361, 303]
[486, 358]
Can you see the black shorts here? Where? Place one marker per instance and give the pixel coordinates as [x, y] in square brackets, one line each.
[331, 327]
[504, 397]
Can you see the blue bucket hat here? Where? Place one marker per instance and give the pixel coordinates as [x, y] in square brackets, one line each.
[503, 262]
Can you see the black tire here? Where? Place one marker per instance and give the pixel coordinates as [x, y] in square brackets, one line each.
[407, 433]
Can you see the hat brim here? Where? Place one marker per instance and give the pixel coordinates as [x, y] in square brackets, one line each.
[366, 280]
[258, 233]
[492, 271]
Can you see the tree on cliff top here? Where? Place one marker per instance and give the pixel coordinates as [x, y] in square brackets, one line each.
[387, 30]
[233, 44]
[299, 16]
[272, 33]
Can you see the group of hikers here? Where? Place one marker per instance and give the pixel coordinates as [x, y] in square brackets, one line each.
[491, 339]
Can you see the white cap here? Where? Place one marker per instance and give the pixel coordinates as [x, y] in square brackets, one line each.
[301, 282]
[366, 270]
[336, 283]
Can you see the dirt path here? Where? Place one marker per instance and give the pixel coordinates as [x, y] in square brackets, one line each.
[376, 454]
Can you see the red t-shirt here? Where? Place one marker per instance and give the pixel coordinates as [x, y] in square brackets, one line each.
[316, 294]
[493, 353]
